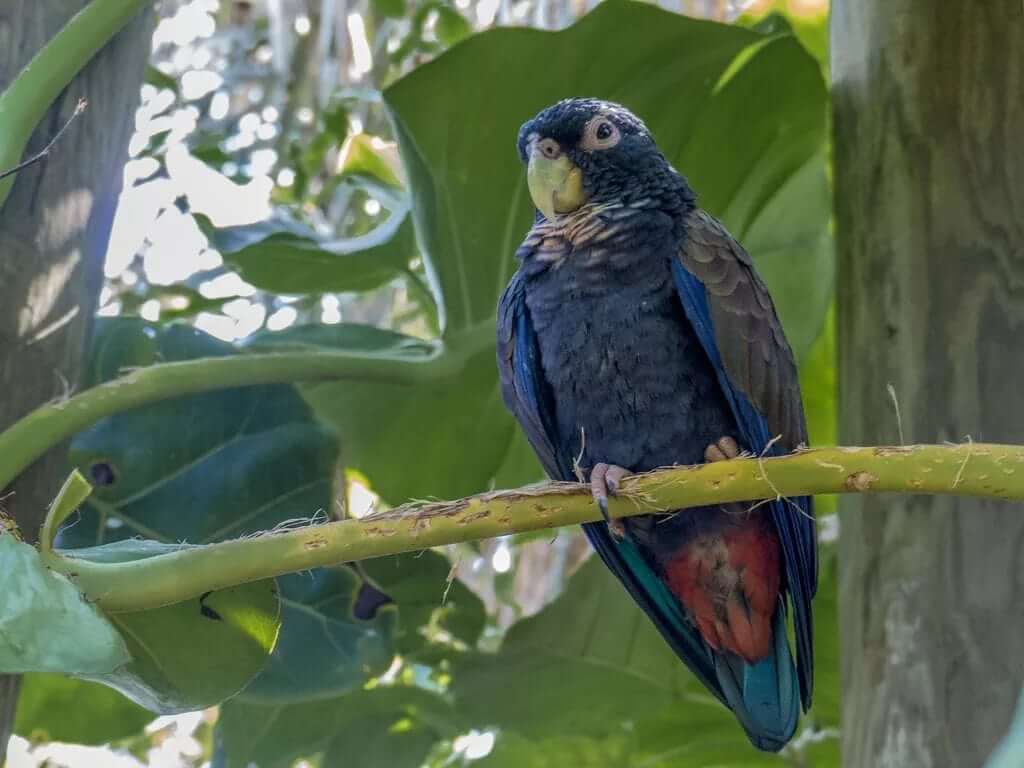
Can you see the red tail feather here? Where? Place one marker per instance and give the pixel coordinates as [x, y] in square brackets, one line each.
[729, 582]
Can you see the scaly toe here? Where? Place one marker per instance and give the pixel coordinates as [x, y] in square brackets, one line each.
[613, 477]
[722, 449]
[729, 447]
[713, 453]
[604, 480]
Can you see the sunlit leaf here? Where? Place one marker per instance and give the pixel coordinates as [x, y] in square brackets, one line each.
[451, 26]
[285, 256]
[362, 157]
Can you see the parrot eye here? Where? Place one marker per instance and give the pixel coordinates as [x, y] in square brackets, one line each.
[600, 133]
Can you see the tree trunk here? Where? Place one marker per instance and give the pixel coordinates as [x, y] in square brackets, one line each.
[54, 229]
[929, 175]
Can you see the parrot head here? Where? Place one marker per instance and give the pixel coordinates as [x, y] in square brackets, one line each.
[587, 150]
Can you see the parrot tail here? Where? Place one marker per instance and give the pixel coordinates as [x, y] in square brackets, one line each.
[763, 695]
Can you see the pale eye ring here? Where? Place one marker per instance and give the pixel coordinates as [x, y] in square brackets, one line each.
[600, 133]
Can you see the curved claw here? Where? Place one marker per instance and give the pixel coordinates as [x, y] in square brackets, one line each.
[604, 480]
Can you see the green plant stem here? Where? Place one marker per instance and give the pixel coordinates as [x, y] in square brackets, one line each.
[26, 99]
[29, 438]
[993, 471]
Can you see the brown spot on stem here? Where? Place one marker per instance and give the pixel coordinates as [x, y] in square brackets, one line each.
[860, 481]
[466, 519]
[317, 542]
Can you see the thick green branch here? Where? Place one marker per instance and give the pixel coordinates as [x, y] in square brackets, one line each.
[25, 101]
[29, 438]
[993, 471]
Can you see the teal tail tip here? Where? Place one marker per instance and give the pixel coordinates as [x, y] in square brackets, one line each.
[763, 696]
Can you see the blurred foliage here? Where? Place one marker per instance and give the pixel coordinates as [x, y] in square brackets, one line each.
[89, 713]
[436, 659]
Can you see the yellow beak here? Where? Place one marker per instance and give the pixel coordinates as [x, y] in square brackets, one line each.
[556, 185]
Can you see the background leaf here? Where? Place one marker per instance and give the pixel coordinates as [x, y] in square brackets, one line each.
[419, 584]
[284, 256]
[587, 661]
[275, 735]
[444, 439]
[57, 708]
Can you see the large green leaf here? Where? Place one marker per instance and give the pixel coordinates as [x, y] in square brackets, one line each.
[45, 624]
[219, 465]
[587, 662]
[275, 735]
[339, 634]
[369, 741]
[705, 736]
[191, 654]
[444, 439]
[197, 653]
[513, 751]
[742, 115]
[286, 257]
[592, 665]
[57, 708]
[200, 468]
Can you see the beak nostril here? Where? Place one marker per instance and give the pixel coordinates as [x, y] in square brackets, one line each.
[550, 149]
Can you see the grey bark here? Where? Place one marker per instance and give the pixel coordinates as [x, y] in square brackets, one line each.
[54, 230]
[929, 175]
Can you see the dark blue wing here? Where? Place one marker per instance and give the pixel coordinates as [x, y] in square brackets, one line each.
[527, 395]
[733, 315]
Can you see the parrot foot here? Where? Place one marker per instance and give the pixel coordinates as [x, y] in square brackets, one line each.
[724, 448]
[604, 480]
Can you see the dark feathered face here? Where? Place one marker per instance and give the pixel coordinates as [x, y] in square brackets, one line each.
[582, 150]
